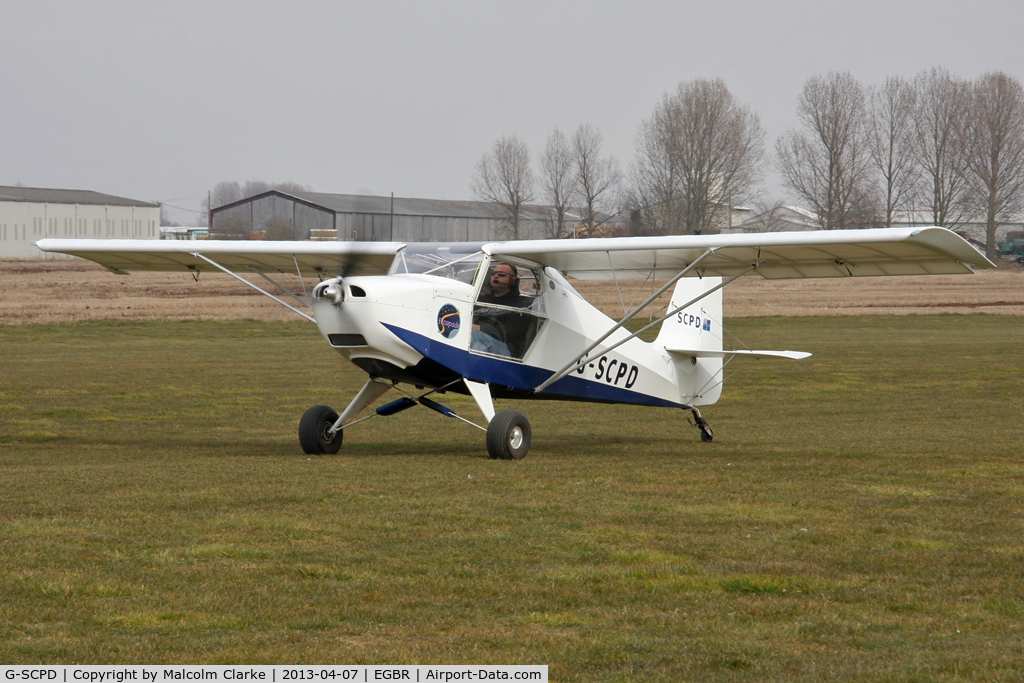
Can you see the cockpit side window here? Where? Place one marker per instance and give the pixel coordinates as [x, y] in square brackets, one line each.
[509, 310]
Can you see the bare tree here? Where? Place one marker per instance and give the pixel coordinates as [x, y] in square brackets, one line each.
[889, 137]
[503, 176]
[558, 178]
[939, 142]
[655, 195]
[996, 150]
[224, 192]
[700, 153]
[597, 177]
[165, 220]
[826, 164]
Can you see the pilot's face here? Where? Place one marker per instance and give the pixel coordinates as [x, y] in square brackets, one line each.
[501, 279]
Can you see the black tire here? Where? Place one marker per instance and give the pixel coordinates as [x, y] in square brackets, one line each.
[705, 431]
[706, 435]
[314, 435]
[509, 435]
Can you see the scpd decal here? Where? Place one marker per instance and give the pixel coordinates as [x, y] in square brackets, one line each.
[611, 371]
[694, 321]
[448, 321]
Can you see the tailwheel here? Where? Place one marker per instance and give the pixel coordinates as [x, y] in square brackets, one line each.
[508, 435]
[315, 434]
[705, 432]
[706, 435]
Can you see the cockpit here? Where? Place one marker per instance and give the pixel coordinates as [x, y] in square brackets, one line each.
[508, 306]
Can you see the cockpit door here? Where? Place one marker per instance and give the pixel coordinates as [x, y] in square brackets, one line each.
[509, 309]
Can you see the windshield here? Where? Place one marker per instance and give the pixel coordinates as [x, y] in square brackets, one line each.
[458, 261]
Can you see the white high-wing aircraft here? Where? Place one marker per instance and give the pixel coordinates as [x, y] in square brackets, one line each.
[500, 320]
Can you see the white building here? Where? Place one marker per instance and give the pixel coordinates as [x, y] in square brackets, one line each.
[28, 214]
[777, 219]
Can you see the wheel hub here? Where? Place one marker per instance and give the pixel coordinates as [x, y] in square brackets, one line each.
[328, 435]
[515, 438]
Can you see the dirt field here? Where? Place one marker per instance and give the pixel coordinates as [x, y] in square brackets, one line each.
[61, 291]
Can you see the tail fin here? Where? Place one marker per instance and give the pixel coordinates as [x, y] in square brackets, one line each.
[696, 328]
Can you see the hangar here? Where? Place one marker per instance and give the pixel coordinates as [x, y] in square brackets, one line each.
[315, 215]
[28, 214]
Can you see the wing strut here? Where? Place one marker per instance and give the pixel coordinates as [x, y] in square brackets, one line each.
[261, 291]
[283, 289]
[572, 364]
[617, 288]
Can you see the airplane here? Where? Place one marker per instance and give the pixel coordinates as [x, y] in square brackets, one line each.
[501, 320]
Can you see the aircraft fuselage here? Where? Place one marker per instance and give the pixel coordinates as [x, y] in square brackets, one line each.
[418, 328]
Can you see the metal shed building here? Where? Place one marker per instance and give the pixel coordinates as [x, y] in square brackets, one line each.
[28, 214]
[315, 215]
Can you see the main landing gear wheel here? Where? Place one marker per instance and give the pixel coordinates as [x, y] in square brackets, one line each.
[315, 434]
[508, 435]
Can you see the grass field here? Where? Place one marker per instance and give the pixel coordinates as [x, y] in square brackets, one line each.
[859, 516]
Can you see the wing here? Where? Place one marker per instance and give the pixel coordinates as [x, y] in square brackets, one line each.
[311, 258]
[822, 253]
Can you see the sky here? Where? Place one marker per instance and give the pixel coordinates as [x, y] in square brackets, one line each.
[160, 101]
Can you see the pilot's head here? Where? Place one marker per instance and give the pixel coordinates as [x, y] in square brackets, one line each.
[504, 277]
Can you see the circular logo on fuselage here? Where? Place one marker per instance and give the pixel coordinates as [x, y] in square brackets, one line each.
[448, 321]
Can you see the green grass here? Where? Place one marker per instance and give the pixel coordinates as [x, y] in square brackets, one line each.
[859, 516]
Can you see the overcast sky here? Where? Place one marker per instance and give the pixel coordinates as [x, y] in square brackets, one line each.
[160, 101]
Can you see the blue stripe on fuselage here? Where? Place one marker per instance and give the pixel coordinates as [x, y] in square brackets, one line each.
[518, 375]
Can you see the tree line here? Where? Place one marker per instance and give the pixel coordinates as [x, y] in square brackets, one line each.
[576, 179]
[936, 144]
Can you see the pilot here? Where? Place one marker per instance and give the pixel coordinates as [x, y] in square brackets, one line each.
[498, 331]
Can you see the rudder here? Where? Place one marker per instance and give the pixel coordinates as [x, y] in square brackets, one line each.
[697, 327]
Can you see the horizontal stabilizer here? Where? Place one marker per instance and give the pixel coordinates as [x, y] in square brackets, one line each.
[706, 353]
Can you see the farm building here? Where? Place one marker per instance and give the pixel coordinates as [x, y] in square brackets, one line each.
[314, 215]
[28, 214]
